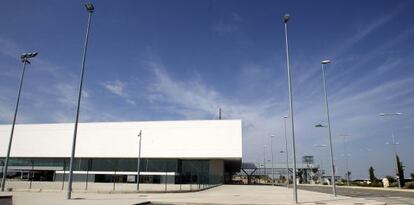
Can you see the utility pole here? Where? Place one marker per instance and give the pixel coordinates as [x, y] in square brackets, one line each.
[139, 158]
[219, 114]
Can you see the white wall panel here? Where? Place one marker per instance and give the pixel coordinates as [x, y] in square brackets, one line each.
[161, 139]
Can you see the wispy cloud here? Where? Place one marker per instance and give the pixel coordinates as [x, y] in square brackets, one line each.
[193, 99]
[367, 29]
[117, 87]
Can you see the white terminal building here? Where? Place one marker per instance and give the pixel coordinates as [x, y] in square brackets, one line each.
[205, 151]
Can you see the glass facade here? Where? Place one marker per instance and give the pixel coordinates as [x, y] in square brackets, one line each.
[194, 171]
[186, 171]
[84, 164]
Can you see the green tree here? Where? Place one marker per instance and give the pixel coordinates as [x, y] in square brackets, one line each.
[371, 173]
[391, 179]
[400, 173]
[412, 176]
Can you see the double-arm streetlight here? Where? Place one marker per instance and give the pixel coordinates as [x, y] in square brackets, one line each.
[393, 142]
[89, 8]
[25, 60]
[324, 63]
[295, 190]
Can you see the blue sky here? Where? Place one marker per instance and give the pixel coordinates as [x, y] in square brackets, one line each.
[182, 60]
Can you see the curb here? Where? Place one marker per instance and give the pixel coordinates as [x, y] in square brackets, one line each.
[304, 203]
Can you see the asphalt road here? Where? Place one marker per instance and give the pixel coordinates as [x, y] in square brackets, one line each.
[389, 196]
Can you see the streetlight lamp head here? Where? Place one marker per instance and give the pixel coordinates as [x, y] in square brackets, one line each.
[285, 117]
[24, 55]
[326, 62]
[89, 7]
[33, 54]
[389, 114]
[286, 18]
[319, 125]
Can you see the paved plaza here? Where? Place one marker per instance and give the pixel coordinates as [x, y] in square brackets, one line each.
[389, 195]
[225, 194]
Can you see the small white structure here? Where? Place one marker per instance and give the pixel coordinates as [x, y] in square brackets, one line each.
[385, 182]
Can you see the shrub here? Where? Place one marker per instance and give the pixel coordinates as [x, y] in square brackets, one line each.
[391, 179]
[340, 183]
[409, 185]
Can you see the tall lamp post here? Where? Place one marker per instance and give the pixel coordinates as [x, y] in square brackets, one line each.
[321, 165]
[324, 63]
[89, 8]
[347, 155]
[295, 189]
[394, 148]
[271, 151]
[25, 60]
[264, 161]
[287, 153]
[139, 158]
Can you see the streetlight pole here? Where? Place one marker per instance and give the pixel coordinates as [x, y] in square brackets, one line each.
[295, 189]
[347, 170]
[329, 125]
[287, 153]
[394, 148]
[321, 165]
[346, 159]
[271, 151]
[25, 60]
[89, 8]
[264, 161]
[139, 158]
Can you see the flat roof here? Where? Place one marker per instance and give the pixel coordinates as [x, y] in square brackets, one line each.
[221, 139]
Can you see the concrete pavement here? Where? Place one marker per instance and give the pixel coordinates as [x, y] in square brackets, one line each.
[388, 195]
[102, 187]
[225, 194]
